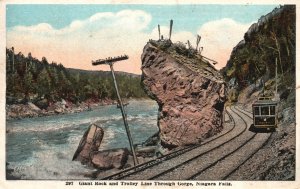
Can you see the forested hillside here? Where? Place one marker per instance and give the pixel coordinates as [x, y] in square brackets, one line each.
[29, 79]
[270, 40]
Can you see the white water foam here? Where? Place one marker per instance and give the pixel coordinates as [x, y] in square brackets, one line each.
[51, 155]
[53, 163]
[58, 125]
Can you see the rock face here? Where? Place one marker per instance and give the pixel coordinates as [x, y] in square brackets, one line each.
[89, 143]
[22, 110]
[112, 158]
[87, 152]
[276, 31]
[189, 91]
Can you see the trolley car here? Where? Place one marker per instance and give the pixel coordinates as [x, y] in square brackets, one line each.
[265, 113]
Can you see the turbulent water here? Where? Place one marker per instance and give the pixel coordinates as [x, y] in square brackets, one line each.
[43, 147]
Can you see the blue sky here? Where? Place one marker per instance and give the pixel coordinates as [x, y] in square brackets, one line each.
[61, 15]
[188, 20]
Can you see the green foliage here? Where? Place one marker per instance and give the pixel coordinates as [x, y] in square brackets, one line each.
[28, 83]
[44, 84]
[34, 79]
[273, 39]
[12, 87]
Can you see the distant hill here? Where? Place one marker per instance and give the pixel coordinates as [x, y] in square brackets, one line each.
[29, 79]
[102, 73]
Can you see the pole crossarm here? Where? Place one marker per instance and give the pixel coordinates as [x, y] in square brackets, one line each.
[109, 60]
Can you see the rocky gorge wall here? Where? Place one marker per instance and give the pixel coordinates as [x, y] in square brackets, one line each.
[251, 72]
[269, 44]
[189, 91]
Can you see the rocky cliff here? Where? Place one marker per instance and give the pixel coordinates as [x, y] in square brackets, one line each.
[271, 39]
[189, 91]
[251, 66]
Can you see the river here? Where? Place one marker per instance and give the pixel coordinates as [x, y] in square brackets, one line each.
[43, 147]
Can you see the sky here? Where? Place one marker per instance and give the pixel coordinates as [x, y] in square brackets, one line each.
[74, 35]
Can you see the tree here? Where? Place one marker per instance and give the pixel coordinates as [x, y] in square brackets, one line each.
[27, 85]
[64, 85]
[44, 61]
[44, 84]
[13, 84]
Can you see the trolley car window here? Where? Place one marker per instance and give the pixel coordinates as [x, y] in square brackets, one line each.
[256, 110]
[272, 110]
[265, 110]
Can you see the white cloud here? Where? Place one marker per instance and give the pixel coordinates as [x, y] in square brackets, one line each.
[219, 37]
[112, 34]
[101, 35]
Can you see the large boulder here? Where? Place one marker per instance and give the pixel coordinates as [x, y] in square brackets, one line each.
[88, 151]
[108, 159]
[33, 107]
[89, 143]
[42, 104]
[58, 107]
[189, 91]
[22, 110]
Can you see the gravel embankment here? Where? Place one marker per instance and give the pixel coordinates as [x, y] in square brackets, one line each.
[276, 160]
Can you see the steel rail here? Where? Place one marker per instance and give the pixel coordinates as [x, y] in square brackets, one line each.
[250, 156]
[146, 165]
[222, 158]
[198, 156]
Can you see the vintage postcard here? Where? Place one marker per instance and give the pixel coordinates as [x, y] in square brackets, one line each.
[134, 94]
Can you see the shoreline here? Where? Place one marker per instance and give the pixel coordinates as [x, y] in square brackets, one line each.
[30, 110]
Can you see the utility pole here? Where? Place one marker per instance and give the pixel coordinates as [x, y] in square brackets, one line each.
[110, 61]
[276, 96]
[276, 76]
[189, 44]
[171, 26]
[13, 60]
[159, 32]
[198, 41]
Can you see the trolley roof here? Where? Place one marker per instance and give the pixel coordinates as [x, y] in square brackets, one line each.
[264, 101]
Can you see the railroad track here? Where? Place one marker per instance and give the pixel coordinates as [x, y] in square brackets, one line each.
[249, 113]
[201, 162]
[192, 169]
[223, 154]
[267, 137]
[141, 167]
[230, 163]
